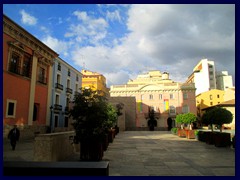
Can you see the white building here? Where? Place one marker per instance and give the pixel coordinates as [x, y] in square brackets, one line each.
[203, 76]
[223, 80]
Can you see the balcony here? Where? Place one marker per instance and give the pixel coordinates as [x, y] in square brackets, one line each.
[69, 90]
[59, 86]
[57, 107]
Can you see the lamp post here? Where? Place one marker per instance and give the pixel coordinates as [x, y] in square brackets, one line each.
[51, 109]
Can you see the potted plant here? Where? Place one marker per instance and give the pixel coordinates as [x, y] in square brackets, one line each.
[196, 133]
[180, 119]
[174, 130]
[190, 118]
[111, 122]
[222, 116]
[219, 116]
[89, 114]
[207, 136]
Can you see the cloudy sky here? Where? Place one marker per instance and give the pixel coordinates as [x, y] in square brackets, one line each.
[122, 41]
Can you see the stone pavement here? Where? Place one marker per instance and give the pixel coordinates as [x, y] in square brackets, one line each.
[152, 153]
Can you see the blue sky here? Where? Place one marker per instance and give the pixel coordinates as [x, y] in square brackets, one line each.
[121, 41]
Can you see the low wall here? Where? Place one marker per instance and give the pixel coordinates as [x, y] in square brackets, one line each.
[53, 146]
[26, 131]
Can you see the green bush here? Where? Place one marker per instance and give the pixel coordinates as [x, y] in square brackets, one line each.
[174, 130]
[196, 132]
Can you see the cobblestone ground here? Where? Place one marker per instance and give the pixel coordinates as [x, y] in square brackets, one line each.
[151, 153]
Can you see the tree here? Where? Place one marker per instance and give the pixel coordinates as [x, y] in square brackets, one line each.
[180, 119]
[189, 118]
[152, 122]
[217, 115]
[92, 115]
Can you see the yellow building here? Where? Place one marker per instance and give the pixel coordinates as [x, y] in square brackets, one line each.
[95, 81]
[207, 99]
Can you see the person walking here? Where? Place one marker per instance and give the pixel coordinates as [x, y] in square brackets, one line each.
[14, 135]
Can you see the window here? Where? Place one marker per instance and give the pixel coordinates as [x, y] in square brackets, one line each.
[76, 88]
[76, 77]
[211, 103]
[68, 83]
[14, 65]
[172, 110]
[171, 96]
[11, 108]
[218, 96]
[185, 109]
[210, 97]
[185, 96]
[160, 96]
[59, 67]
[151, 96]
[57, 99]
[59, 79]
[69, 73]
[27, 62]
[42, 75]
[142, 96]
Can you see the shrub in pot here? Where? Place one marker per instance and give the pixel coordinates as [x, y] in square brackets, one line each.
[90, 115]
[180, 119]
[190, 118]
[222, 116]
[219, 116]
[174, 130]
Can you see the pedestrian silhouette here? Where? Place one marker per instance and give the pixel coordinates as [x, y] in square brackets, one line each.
[14, 135]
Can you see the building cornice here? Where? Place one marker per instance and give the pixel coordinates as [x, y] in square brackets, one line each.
[21, 35]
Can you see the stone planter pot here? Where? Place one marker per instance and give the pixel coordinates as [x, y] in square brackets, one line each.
[181, 132]
[190, 134]
[222, 139]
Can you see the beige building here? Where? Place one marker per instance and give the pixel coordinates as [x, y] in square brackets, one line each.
[155, 90]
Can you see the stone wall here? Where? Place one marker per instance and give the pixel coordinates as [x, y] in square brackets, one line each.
[129, 109]
[53, 146]
[26, 131]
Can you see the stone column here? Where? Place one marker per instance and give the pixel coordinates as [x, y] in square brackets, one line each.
[50, 94]
[32, 89]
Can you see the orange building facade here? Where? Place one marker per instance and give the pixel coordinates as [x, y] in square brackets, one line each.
[27, 77]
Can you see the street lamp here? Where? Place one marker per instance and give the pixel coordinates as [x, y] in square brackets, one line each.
[51, 109]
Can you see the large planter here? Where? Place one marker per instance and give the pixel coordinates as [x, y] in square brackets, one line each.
[233, 141]
[105, 142]
[111, 135]
[190, 134]
[202, 136]
[209, 137]
[91, 150]
[181, 132]
[222, 139]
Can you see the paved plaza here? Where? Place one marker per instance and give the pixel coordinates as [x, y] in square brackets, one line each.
[152, 153]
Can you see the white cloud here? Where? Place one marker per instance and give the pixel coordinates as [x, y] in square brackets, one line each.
[170, 38]
[58, 46]
[90, 28]
[115, 15]
[27, 18]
